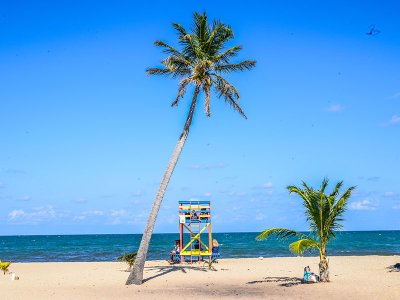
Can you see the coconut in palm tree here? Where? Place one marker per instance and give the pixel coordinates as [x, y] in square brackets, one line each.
[201, 62]
[324, 213]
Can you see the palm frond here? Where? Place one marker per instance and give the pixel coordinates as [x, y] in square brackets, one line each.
[181, 90]
[210, 44]
[201, 29]
[189, 46]
[221, 35]
[224, 89]
[242, 66]
[294, 189]
[280, 233]
[173, 62]
[324, 184]
[167, 48]
[228, 54]
[158, 71]
[335, 216]
[180, 29]
[178, 66]
[335, 191]
[301, 246]
[236, 107]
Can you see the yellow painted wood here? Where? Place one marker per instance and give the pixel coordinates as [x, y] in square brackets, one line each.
[195, 253]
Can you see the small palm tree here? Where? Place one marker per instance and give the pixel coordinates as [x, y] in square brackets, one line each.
[324, 213]
[201, 63]
[129, 258]
[4, 266]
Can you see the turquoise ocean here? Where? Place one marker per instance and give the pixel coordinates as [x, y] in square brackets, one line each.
[106, 247]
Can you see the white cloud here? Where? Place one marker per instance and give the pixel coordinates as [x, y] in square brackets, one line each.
[373, 178]
[79, 218]
[122, 216]
[120, 213]
[237, 194]
[362, 205]
[395, 120]
[15, 214]
[35, 216]
[260, 216]
[266, 185]
[80, 200]
[94, 213]
[137, 194]
[390, 194]
[395, 96]
[24, 198]
[334, 108]
[194, 199]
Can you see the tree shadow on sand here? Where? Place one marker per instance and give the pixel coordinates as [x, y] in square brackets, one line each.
[163, 270]
[394, 268]
[283, 281]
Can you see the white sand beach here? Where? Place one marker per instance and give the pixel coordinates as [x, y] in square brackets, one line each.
[356, 277]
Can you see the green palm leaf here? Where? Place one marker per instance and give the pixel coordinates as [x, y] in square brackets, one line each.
[4, 266]
[280, 233]
[301, 246]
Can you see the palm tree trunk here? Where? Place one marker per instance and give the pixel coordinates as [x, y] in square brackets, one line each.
[136, 275]
[324, 267]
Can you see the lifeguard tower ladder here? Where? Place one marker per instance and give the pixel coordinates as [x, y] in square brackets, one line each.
[195, 231]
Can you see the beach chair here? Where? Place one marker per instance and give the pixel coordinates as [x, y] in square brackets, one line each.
[215, 256]
[176, 258]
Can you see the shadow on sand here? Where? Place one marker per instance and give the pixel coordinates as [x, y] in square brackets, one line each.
[162, 270]
[283, 281]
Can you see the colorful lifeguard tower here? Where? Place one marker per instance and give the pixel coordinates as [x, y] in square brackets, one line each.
[195, 230]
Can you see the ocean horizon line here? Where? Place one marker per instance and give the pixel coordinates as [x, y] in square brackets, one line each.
[155, 233]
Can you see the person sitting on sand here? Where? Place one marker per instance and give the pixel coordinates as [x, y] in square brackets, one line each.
[215, 246]
[310, 276]
[176, 250]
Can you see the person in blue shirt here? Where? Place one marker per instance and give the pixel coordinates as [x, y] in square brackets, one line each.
[310, 276]
[176, 250]
[215, 246]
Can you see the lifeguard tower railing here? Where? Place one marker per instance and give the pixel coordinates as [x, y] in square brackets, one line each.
[195, 230]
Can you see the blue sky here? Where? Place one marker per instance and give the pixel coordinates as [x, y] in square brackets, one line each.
[86, 134]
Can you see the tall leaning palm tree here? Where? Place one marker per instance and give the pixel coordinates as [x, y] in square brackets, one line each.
[324, 213]
[201, 62]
